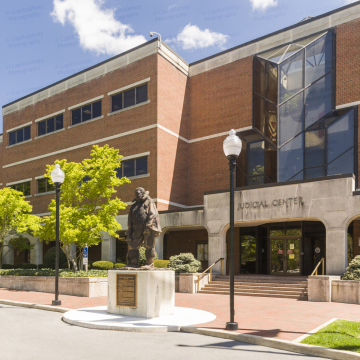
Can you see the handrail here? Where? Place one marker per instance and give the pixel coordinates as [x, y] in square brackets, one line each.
[210, 267]
[316, 269]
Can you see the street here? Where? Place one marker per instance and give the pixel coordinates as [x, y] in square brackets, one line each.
[36, 334]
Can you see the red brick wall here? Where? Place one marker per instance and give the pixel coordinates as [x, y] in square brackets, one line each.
[172, 152]
[347, 66]
[184, 242]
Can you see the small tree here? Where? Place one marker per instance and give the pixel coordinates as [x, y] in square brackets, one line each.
[353, 270]
[15, 219]
[86, 205]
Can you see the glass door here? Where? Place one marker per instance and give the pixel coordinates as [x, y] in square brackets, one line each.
[277, 257]
[285, 256]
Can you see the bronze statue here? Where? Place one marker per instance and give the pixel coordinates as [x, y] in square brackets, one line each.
[143, 228]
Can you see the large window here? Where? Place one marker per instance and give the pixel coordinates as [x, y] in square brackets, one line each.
[85, 113]
[44, 186]
[133, 167]
[294, 110]
[19, 136]
[22, 187]
[50, 125]
[128, 98]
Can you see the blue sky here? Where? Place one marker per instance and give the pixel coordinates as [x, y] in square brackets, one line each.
[46, 41]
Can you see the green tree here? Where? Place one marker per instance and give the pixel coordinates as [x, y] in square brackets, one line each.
[87, 205]
[15, 220]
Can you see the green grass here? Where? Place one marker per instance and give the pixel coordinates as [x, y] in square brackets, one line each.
[340, 335]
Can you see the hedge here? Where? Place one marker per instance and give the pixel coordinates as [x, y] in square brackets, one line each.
[102, 265]
[185, 263]
[50, 272]
[119, 265]
[49, 258]
[161, 263]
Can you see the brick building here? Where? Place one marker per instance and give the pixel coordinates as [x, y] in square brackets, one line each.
[292, 96]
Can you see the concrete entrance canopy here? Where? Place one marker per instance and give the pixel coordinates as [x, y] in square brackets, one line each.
[330, 200]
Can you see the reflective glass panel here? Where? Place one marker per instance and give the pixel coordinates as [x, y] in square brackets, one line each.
[291, 116]
[27, 191]
[308, 40]
[291, 76]
[59, 122]
[86, 112]
[12, 138]
[20, 135]
[293, 257]
[255, 180]
[274, 54]
[256, 158]
[76, 116]
[270, 162]
[290, 159]
[50, 125]
[248, 254]
[271, 121]
[344, 164]
[299, 176]
[315, 172]
[259, 113]
[129, 98]
[291, 50]
[141, 93]
[315, 148]
[141, 166]
[340, 136]
[96, 109]
[259, 76]
[116, 102]
[271, 82]
[41, 186]
[49, 185]
[129, 168]
[318, 100]
[277, 257]
[318, 60]
[27, 134]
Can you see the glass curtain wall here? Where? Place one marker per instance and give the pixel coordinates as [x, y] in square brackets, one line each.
[294, 115]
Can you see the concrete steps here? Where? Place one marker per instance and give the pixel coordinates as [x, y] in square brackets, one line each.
[259, 286]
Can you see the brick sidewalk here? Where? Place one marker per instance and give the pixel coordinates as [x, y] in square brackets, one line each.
[285, 319]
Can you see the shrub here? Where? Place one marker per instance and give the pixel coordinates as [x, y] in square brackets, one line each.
[119, 265]
[353, 270]
[8, 266]
[41, 266]
[142, 257]
[49, 258]
[29, 266]
[102, 265]
[161, 263]
[185, 263]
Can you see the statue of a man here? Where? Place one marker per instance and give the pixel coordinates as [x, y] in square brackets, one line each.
[143, 227]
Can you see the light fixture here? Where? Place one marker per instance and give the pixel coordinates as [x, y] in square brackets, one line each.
[232, 144]
[57, 175]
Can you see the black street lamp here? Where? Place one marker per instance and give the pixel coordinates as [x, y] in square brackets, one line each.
[232, 148]
[57, 177]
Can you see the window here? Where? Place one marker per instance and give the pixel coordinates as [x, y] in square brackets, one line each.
[202, 252]
[22, 187]
[20, 135]
[44, 186]
[50, 125]
[85, 113]
[129, 98]
[294, 110]
[133, 167]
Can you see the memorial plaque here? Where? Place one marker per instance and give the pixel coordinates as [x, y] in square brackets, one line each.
[126, 290]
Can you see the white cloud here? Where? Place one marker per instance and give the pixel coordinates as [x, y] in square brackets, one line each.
[263, 4]
[97, 29]
[191, 38]
[349, 1]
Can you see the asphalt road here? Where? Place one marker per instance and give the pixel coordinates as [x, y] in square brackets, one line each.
[41, 335]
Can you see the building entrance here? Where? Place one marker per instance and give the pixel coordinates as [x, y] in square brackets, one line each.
[285, 256]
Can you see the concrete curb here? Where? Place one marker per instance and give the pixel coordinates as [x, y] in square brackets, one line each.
[34, 306]
[276, 344]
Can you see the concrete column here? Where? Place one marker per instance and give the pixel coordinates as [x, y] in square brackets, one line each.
[108, 248]
[36, 254]
[159, 245]
[217, 249]
[8, 255]
[336, 251]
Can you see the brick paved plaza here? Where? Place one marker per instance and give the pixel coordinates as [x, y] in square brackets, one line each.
[285, 319]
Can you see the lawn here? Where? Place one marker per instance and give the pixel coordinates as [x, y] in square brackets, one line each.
[341, 335]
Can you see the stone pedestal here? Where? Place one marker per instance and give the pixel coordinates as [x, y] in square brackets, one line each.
[319, 287]
[155, 293]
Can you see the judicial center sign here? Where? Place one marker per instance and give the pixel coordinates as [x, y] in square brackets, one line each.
[296, 201]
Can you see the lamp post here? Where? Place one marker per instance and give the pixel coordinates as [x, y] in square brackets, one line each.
[57, 177]
[232, 148]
